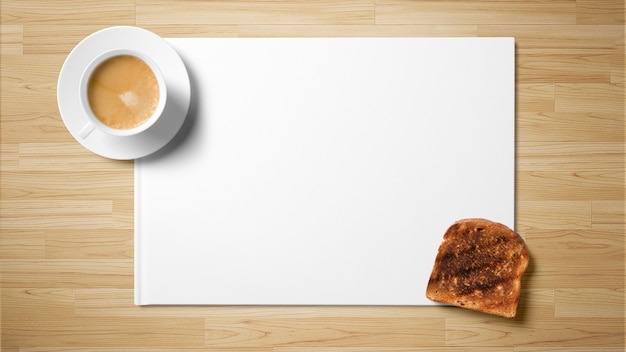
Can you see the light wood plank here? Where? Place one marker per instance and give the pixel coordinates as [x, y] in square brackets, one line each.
[567, 349]
[609, 214]
[600, 12]
[11, 38]
[9, 158]
[564, 68]
[139, 349]
[588, 97]
[336, 332]
[534, 303]
[42, 303]
[554, 214]
[589, 303]
[150, 12]
[602, 184]
[168, 30]
[392, 349]
[20, 244]
[123, 215]
[89, 244]
[67, 273]
[113, 12]
[548, 332]
[40, 96]
[618, 63]
[574, 259]
[62, 331]
[571, 273]
[67, 35]
[26, 71]
[40, 214]
[357, 30]
[41, 126]
[534, 97]
[70, 156]
[52, 184]
[571, 171]
[571, 244]
[570, 156]
[562, 39]
[569, 127]
[481, 12]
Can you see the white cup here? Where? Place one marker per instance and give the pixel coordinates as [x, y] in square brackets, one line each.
[93, 122]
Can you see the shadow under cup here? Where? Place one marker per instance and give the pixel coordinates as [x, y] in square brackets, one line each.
[122, 92]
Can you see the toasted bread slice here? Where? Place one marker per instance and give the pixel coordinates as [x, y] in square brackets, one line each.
[479, 266]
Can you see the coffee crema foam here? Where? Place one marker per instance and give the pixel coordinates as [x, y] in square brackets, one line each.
[123, 92]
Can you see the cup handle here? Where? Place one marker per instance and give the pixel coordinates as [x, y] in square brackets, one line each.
[86, 130]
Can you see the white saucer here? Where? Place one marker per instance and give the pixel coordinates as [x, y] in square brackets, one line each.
[175, 76]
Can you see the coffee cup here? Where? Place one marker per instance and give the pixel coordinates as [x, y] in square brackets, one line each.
[122, 93]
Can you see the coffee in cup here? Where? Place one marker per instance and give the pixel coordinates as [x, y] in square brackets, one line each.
[122, 93]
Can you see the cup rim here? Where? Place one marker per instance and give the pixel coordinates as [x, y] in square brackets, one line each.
[84, 100]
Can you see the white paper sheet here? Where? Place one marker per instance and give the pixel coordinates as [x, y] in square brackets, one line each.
[324, 171]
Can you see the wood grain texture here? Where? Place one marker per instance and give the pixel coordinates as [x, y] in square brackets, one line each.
[480, 12]
[66, 215]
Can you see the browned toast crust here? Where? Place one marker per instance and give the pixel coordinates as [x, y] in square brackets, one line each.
[479, 266]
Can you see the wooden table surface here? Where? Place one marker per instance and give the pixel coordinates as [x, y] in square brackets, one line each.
[66, 241]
